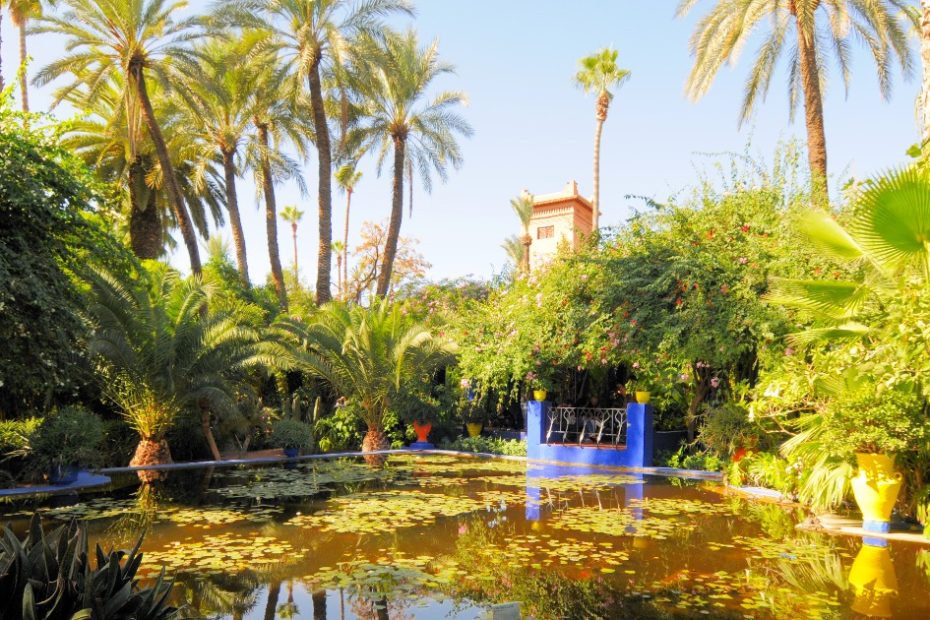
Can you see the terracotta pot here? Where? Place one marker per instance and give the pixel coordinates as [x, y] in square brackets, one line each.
[474, 428]
[422, 431]
[540, 395]
[642, 397]
[876, 489]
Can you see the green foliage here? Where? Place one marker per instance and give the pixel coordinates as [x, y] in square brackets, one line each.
[341, 431]
[488, 445]
[49, 228]
[50, 576]
[702, 461]
[70, 436]
[288, 433]
[16, 436]
[727, 428]
[764, 469]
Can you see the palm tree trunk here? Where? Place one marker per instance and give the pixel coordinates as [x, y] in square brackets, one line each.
[271, 220]
[235, 222]
[600, 115]
[397, 214]
[325, 172]
[23, 59]
[813, 111]
[294, 239]
[271, 606]
[527, 242]
[144, 221]
[208, 433]
[345, 244]
[925, 57]
[174, 191]
[339, 273]
[319, 605]
[2, 85]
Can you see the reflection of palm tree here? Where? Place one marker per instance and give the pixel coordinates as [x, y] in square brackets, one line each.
[274, 591]
[235, 595]
[319, 605]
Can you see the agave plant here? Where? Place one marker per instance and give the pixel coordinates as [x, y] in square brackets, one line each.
[49, 576]
[368, 356]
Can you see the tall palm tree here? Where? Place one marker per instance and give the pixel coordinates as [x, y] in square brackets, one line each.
[347, 177]
[112, 140]
[217, 108]
[391, 75]
[522, 206]
[293, 215]
[21, 11]
[136, 39]
[367, 355]
[338, 248]
[924, 31]
[599, 74]
[314, 34]
[162, 355]
[279, 117]
[721, 35]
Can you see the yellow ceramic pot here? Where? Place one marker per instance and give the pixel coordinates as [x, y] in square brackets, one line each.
[876, 489]
[873, 581]
[474, 428]
[540, 395]
[642, 398]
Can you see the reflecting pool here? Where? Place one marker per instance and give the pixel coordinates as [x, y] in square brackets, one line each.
[439, 536]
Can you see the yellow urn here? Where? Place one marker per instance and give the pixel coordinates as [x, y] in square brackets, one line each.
[642, 397]
[474, 428]
[876, 489]
[873, 581]
[540, 395]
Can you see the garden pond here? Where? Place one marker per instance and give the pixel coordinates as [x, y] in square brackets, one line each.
[426, 536]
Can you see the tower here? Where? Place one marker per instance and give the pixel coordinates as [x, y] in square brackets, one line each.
[561, 218]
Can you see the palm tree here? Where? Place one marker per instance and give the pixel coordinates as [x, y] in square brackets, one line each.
[162, 355]
[391, 75]
[135, 39]
[21, 11]
[522, 205]
[724, 31]
[347, 177]
[367, 355]
[339, 249]
[216, 107]
[515, 250]
[112, 141]
[279, 117]
[314, 33]
[924, 31]
[293, 215]
[599, 74]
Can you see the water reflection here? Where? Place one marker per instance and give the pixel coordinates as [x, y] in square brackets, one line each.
[873, 580]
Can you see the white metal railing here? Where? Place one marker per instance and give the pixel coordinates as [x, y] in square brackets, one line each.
[592, 425]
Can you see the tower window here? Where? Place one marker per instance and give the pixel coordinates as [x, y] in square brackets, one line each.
[545, 232]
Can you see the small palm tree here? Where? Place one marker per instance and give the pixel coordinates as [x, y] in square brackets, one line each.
[522, 205]
[339, 249]
[347, 177]
[314, 33]
[135, 39]
[391, 75]
[721, 35]
[367, 355]
[162, 355]
[599, 74]
[515, 250]
[293, 215]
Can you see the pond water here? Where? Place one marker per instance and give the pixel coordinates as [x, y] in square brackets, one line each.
[439, 536]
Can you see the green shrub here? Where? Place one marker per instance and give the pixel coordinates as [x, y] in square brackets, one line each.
[16, 436]
[727, 428]
[340, 431]
[488, 445]
[69, 436]
[289, 433]
[703, 461]
[50, 576]
[764, 469]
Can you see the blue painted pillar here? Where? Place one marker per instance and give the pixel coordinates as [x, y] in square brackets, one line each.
[536, 411]
[640, 433]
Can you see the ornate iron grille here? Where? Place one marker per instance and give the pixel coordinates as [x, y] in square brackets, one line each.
[591, 425]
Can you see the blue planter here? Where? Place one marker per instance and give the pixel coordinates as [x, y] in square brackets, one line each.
[63, 474]
[291, 453]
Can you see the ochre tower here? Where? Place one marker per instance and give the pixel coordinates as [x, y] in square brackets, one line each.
[563, 218]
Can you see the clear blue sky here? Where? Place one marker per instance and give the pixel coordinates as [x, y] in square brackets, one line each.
[534, 129]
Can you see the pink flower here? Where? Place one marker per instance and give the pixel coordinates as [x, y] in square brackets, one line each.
[465, 383]
[789, 351]
[743, 260]
[635, 365]
[715, 383]
[584, 277]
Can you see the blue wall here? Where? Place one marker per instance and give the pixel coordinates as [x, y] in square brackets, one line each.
[639, 440]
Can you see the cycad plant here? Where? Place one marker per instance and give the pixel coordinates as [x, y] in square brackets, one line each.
[369, 356]
[137, 39]
[392, 75]
[161, 355]
[810, 28]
